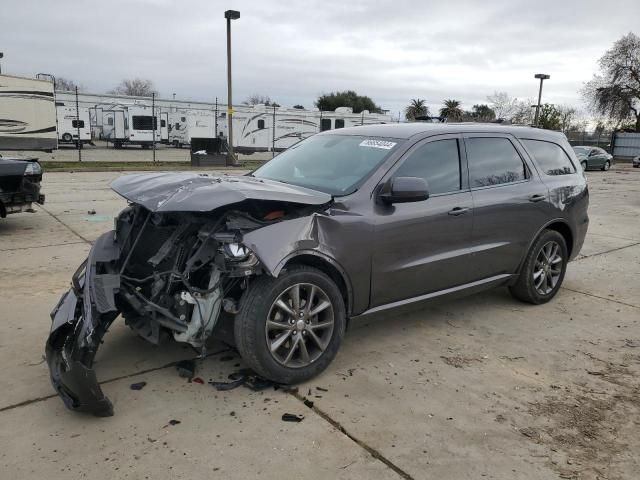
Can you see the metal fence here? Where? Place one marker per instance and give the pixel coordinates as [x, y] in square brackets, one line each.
[600, 138]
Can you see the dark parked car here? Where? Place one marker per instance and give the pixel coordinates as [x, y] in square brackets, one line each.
[636, 161]
[593, 158]
[344, 224]
[19, 184]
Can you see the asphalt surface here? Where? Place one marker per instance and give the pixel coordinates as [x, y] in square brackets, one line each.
[484, 387]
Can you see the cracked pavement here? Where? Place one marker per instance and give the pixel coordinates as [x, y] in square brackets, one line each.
[483, 387]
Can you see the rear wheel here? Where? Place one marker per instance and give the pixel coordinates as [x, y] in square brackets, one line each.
[606, 166]
[543, 269]
[290, 328]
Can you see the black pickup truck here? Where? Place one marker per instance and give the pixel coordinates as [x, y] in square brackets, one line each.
[19, 184]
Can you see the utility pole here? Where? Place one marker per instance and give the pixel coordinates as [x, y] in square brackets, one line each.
[79, 144]
[542, 77]
[273, 135]
[216, 118]
[230, 15]
[153, 124]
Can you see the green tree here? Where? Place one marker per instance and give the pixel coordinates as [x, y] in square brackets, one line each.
[550, 117]
[451, 110]
[348, 98]
[417, 108]
[615, 92]
[483, 113]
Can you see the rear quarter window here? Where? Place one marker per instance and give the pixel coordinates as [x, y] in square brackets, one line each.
[551, 158]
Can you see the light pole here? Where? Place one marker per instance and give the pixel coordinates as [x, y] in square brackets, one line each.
[230, 15]
[542, 77]
[1, 55]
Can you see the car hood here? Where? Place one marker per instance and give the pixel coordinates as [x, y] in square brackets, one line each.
[171, 192]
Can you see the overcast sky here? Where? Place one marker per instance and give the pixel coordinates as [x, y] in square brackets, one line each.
[292, 51]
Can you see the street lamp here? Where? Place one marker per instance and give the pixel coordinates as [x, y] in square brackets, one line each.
[542, 77]
[230, 15]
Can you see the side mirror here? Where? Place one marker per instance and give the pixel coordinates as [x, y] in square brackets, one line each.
[404, 190]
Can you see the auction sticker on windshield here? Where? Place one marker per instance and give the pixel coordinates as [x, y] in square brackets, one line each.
[383, 144]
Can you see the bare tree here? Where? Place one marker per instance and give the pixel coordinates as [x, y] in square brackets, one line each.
[568, 115]
[65, 85]
[616, 91]
[503, 105]
[137, 87]
[522, 113]
[258, 99]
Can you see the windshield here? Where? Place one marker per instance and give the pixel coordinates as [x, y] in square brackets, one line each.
[334, 164]
[582, 150]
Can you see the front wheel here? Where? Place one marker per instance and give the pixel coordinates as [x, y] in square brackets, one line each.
[289, 328]
[584, 166]
[67, 138]
[606, 166]
[543, 269]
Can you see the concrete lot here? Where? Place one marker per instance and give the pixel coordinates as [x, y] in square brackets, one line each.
[484, 387]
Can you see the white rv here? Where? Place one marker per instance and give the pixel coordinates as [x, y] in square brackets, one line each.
[70, 121]
[261, 128]
[27, 114]
[164, 127]
[186, 125]
[130, 125]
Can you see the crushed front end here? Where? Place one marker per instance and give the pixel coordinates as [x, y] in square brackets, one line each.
[168, 274]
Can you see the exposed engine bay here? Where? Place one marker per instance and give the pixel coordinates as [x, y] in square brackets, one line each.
[170, 274]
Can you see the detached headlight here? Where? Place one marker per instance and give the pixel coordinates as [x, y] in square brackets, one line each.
[236, 251]
[33, 168]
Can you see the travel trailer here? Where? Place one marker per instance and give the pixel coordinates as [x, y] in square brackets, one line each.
[186, 125]
[130, 125]
[261, 128]
[71, 121]
[28, 114]
[164, 127]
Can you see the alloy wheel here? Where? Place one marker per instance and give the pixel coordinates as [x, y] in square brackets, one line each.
[547, 268]
[299, 325]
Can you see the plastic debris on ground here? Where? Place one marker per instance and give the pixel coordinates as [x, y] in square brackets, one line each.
[137, 386]
[186, 368]
[290, 417]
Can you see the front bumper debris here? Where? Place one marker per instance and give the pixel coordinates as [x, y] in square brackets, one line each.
[79, 322]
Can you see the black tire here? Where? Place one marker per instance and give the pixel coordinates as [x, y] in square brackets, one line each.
[525, 288]
[606, 166]
[584, 166]
[67, 137]
[250, 330]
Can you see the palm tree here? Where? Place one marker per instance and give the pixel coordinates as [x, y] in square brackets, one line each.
[451, 110]
[417, 108]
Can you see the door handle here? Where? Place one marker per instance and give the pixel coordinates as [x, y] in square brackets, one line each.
[458, 211]
[538, 197]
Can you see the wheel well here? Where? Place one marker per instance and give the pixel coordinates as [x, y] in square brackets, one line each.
[564, 230]
[327, 268]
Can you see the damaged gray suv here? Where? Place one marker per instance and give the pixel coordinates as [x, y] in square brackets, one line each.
[344, 224]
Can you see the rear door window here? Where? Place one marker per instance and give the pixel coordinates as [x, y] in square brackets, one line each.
[438, 162]
[551, 158]
[493, 161]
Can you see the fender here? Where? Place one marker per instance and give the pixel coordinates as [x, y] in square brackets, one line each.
[535, 237]
[331, 261]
